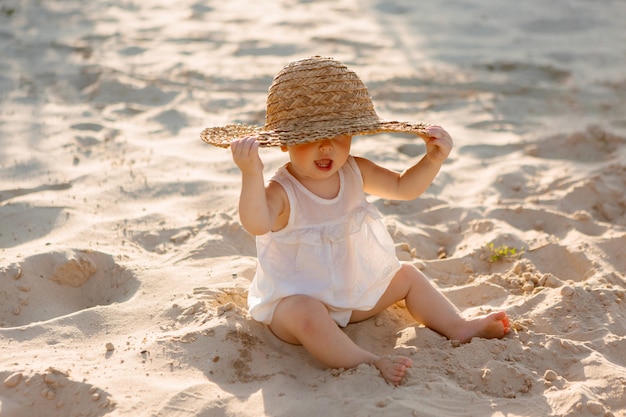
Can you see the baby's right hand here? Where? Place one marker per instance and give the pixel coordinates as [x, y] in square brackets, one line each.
[246, 155]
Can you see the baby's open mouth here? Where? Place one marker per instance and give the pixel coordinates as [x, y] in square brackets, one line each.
[324, 163]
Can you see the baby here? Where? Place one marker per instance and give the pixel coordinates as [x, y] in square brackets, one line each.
[325, 258]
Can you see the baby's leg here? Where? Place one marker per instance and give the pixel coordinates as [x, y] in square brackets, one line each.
[493, 325]
[430, 307]
[304, 320]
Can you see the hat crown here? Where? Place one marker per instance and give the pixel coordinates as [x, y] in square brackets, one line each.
[317, 93]
[313, 99]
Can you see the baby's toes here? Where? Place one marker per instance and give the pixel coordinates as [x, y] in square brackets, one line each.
[393, 368]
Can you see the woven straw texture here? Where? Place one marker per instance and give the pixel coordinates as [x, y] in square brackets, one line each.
[309, 100]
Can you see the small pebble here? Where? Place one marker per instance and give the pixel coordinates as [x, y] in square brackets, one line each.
[226, 307]
[567, 291]
[48, 393]
[550, 375]
[180, 237]
[582, 215]
[595, 407]
[15, 271]
[551, 281]
[110, 347]
[13, 380]
[106, 403]
[382, 403]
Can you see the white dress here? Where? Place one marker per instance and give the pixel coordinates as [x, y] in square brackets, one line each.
[336, 250]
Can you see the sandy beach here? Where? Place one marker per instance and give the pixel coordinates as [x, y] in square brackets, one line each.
[124, 270]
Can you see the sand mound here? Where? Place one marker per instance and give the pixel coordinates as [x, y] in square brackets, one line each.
[54, 284]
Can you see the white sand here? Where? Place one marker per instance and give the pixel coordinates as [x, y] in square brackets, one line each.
[124, 271]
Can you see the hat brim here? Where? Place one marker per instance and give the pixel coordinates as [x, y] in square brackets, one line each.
[222, 136]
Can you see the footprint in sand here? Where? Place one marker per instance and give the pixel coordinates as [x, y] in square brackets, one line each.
[54, 284]
[51, 393]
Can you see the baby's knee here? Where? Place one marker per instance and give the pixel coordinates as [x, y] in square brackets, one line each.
[298, 315]
[299, 306]
[410, 273]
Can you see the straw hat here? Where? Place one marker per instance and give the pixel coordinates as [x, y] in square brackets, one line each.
[309, 100]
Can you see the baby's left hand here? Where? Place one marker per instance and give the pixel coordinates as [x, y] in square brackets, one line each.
[438, 144]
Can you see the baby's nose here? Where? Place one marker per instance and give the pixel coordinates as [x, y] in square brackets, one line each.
[326, 145]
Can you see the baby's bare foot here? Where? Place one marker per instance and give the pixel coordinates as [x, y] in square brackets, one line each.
[393, 368]
[493, 325]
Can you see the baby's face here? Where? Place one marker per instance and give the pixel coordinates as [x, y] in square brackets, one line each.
[321, 159]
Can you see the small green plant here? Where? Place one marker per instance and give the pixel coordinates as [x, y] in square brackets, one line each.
[499, 253]
[7, 11]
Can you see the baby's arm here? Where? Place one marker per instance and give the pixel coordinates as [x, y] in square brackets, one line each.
[259, 207]
[411, 183]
